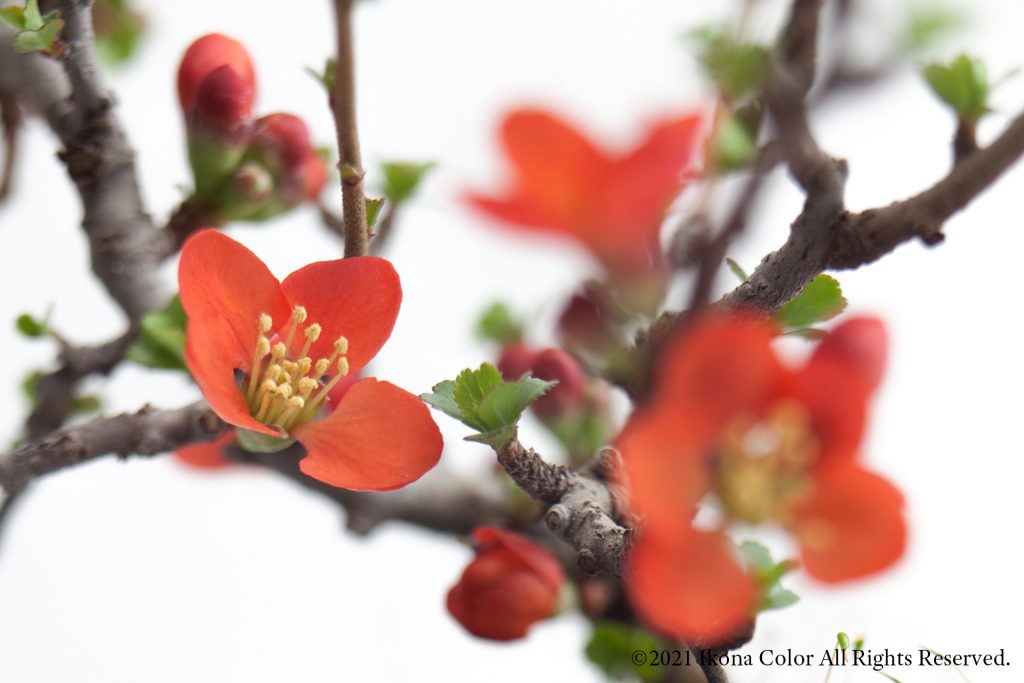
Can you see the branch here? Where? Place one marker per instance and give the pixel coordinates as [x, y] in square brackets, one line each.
[581, 507]
[56, 390]
[146, 432]
[125, 245]
[343, 102]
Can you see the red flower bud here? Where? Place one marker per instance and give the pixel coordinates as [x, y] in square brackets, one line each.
[223, 101]
[511, 584]
[582, 325]
[204, 56]
[551, 365]
[281, 141]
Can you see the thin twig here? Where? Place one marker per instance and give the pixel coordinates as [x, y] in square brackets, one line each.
[343, 102]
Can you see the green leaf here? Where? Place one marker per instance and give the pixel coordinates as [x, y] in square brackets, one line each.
[30, 327]
[373, 208]
[443, 398]
[738, 69]
[498, 323]
[470, 388]
[13, 16]
[767, 573]
[327, 76]
[30, 386]
[45, 39]
[481, 400]
[962, 84]
[757, 556]
[85, 405]
[734, 146]
[611, 647]
[402, 178]
[118, 31]
[161, 342]
[737, 270]
[844, 640]
[821, 300]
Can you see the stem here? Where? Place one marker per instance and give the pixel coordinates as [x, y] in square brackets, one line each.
[343, 103]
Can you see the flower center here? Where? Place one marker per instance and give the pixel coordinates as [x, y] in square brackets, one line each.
[284, 391]
[762, 465]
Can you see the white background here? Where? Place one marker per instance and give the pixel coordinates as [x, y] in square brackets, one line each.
[143, 571]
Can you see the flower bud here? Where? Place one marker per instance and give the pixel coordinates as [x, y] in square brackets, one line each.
[281, 144]
[511, 584]
[583, 327]
[222, 104]
[515, 361]
[203, 57]
[551, 365]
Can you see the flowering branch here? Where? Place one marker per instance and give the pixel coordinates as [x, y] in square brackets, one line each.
[343, 102]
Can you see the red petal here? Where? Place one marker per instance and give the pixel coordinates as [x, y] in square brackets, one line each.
[691, 589]
[209, 455]
[721, 367]
[212, 355]
[203, 56]
[380, 438]
[851, 526]
[643, 183]
[859, 345]
[355, 297]
[665, 468]
[556, 166]
[220, 278]
[535, 557]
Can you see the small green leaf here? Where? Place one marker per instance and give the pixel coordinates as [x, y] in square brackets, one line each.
[30, 327]
[161, 342]
[402, 178]
[85, 405]
[498, 323]
[442, 397]
[327, 76]
[734, 146]
[808, 333]
[13, 16]
[821, 300]
[737, 270]
[611, 647]
[118, 31]
[481, 400]
[844, 641]
[738, 69]
[779, 597]
[767, 573]
[373, 208]
[962, 84]
[30, 386]
[928, 25]
[45, 39]
[757, 556]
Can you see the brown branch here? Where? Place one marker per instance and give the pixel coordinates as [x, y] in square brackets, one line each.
[56, 390]
[146, 432]
[581, 510]
[343, 103]
[10, 118]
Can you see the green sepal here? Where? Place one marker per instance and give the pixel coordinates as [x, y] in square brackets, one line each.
[258, 442]
[374, 205]
[212, 163]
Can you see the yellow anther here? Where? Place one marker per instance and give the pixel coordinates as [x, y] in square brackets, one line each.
[294, 405]
[321, 367]
[288, 365]
[278, 351]
[284, 390]
[341, 345]
[262, 347]
[313, 332]
[272, 373]
[268, 386]
[307, 385]
[299, 314]
[302, 367]
[265, 323]
[342, 367]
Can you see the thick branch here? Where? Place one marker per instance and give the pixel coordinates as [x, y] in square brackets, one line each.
[343, 101]
[146, 432]
[581, 508]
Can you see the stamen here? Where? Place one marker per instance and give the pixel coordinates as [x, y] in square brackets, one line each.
[266, 322]
[295, 404]
[321, 368]
[301, 368]
[341, 345]
[307, 385]
[312, 334]
[322, 394]
[262, 349]
[267, 390]
[298, 317]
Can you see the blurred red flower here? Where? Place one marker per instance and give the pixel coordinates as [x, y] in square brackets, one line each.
[773, 445]
[613, 204]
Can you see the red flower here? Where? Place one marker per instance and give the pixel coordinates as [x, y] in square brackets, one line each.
[216, 85]
[773, 445]
[208, 455]
[511, 584]
[266, 354]
[611, 203]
